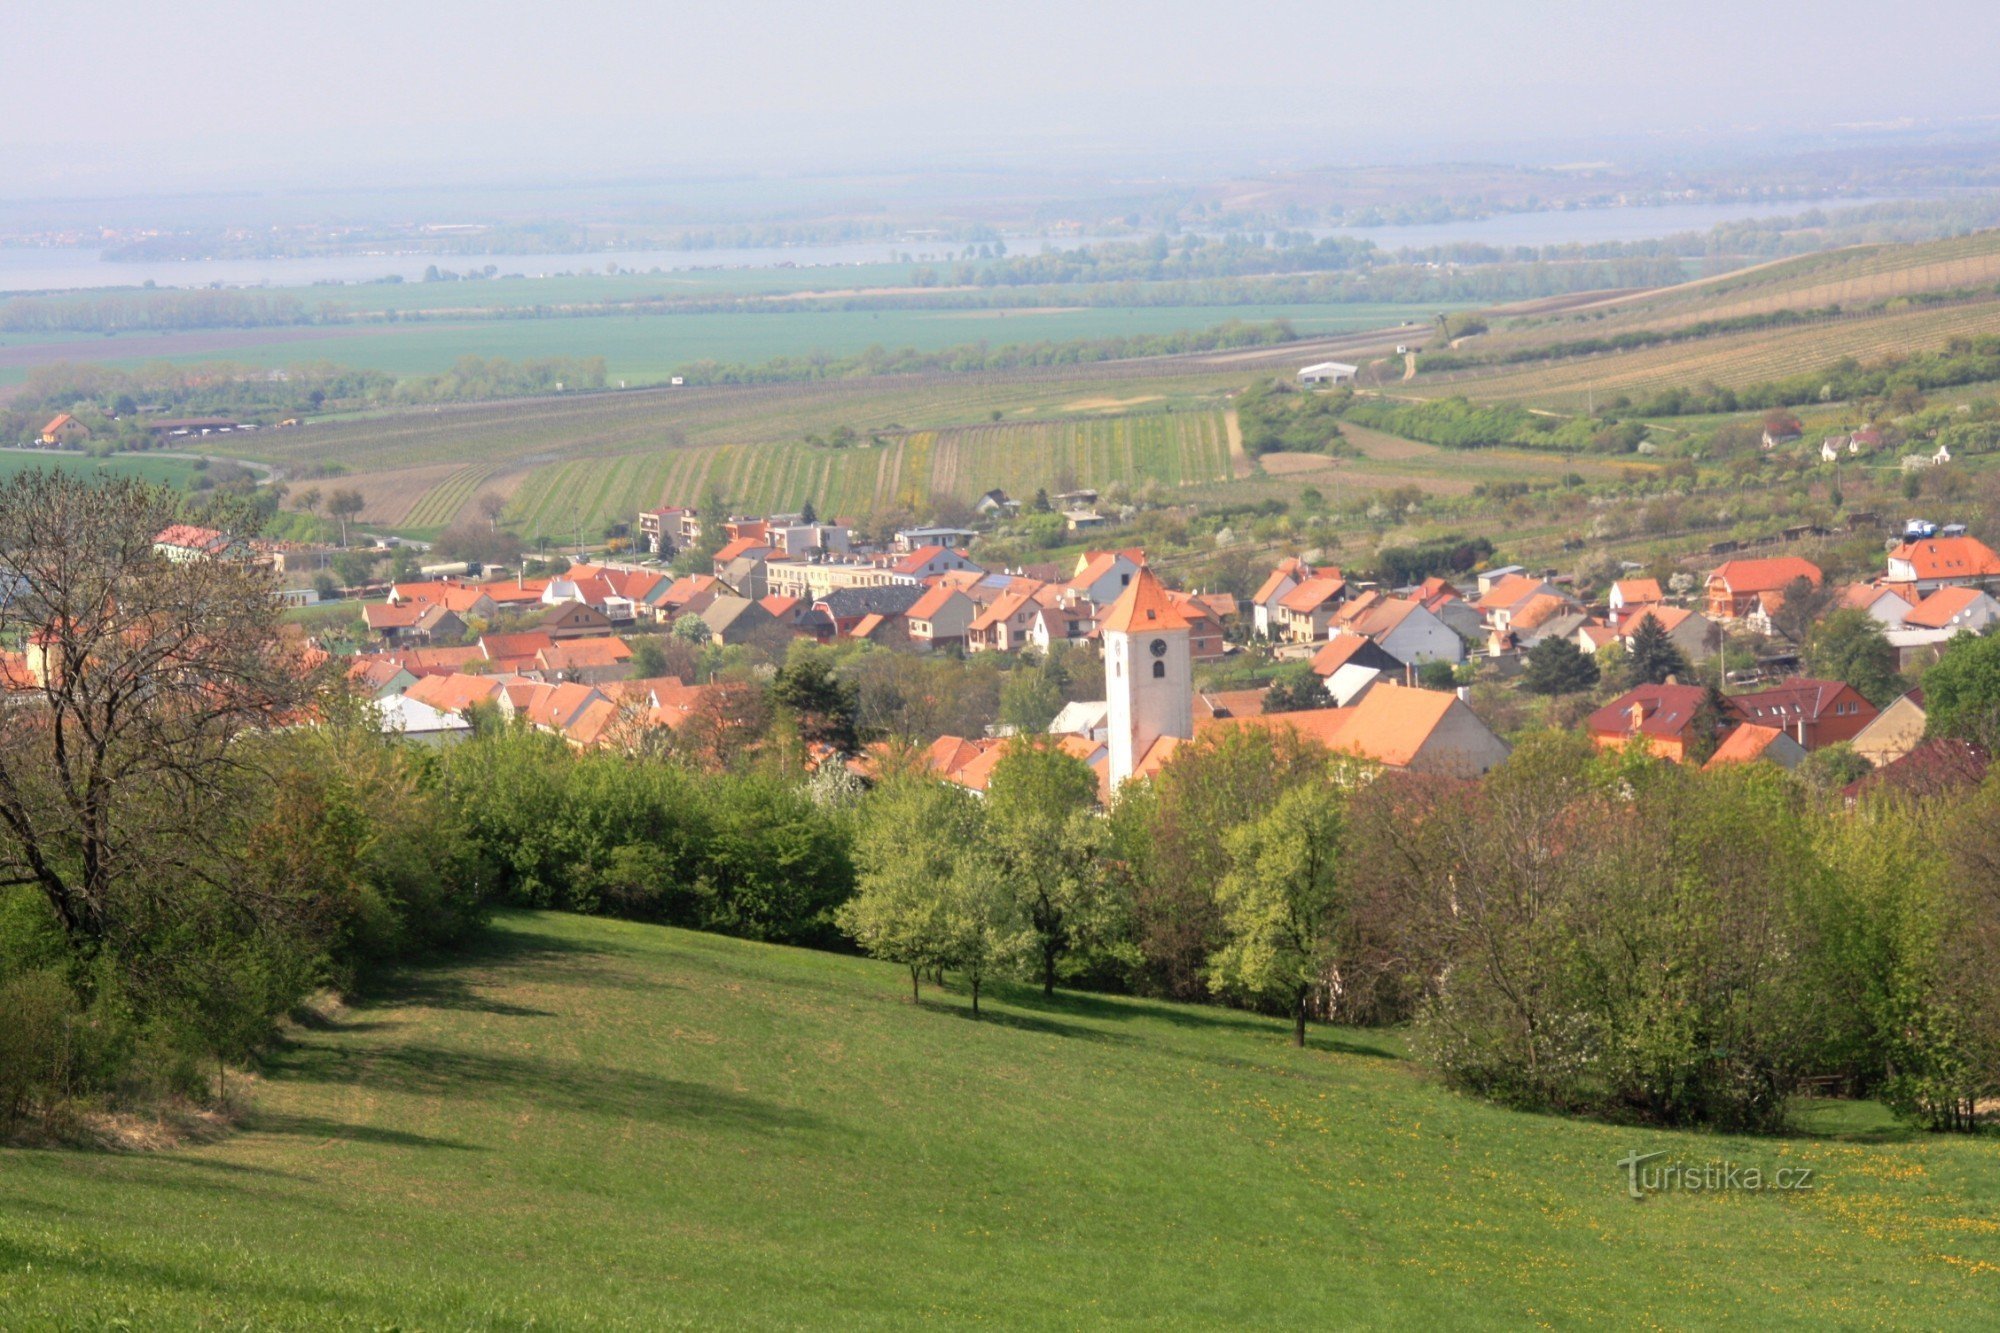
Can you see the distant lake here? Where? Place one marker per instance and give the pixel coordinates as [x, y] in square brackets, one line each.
[50, 269]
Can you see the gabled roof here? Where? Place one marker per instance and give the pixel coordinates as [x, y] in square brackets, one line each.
[780, 606]
[740, 547]
[1800, 699]
[1004, 607]
[1508, 591]
[454, 693]
[1538, 610]
[888, 599]
[1948, 557]
[1342, 649]
[933, 602]
[525, 643]
[399, 615]
[1938, 610]
[1861, 596]
[1744, 745]
[576, 654]
[1668, 618]
[688, 587]
[1632, 591]
[1745, 577]
[1312, 594]
[192, 537]
[1142, 607]
[1663, 710]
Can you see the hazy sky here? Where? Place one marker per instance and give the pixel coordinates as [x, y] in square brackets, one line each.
[110, 95]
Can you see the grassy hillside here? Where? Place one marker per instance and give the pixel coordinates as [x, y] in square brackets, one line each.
[595, 1124]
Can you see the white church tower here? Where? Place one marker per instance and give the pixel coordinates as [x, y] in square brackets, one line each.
[1148, 675]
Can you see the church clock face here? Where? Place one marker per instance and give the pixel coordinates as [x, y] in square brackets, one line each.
[1157, 647]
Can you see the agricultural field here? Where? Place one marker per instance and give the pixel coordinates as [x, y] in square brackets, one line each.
[647, 349]
[1729, 360]
[178, 472]
[586, 1123]
[906, 469]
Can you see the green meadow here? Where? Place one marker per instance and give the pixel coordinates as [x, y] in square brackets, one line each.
[160, 471]
[583, 1123]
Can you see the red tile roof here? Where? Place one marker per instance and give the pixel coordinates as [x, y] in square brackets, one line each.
[1143, 606]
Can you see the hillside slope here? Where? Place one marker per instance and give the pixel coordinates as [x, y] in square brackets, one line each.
[592, 1123]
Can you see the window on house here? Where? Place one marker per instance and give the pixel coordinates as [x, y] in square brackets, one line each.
[1159, 671]
[1124, 580]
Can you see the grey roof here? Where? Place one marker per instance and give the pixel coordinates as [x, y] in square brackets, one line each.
[889, 599]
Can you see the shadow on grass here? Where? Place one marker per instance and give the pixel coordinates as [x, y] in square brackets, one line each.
[1080, 1004]
[320, 1127]
[438, 983]
[1006, 1018]
[557, 1085]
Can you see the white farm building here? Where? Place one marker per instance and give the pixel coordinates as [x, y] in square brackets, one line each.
[1328, 372]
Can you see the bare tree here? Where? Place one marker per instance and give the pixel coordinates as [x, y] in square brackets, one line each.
[491, 505]
[120, 765]
[343, 505]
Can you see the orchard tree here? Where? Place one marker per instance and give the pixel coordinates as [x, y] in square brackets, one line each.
[1042, 832]
[1804, 602]
[343, 505]
[913, 832]
[1281, 903]
[1558, 666]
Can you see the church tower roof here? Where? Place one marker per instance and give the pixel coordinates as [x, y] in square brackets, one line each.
[1142, 607]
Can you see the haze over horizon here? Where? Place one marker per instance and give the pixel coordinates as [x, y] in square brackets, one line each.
[220, 94]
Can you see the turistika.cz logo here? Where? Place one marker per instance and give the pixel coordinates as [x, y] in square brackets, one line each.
[1646, 1174]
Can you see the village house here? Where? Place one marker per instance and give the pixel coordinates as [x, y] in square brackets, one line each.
[1930, 563]
[927, 562]
[1751, 742]
[1627, 593]
[1289, 574]
[1304, 614]
[1351, 664]
[732, 619]
[1687, 630]
[1738, 587]
[1100, 576]
[1894, 732]
[664, 532]
[1956, 609]
[1664, 718]
[1887, 605]
[413, 720]
[186, 543]
[1402, 628]
[1814, 712]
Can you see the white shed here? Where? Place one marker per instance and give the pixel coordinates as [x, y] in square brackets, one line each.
[1328, 372]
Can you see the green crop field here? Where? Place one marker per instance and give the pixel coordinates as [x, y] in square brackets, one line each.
[160, 471]
[645, 349]
[584, 1123]
[1173, 448]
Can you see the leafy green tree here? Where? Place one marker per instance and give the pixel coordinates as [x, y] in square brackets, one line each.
[824, 705]
[1962, 690]
[1031, 698]
[1041, 829]
[1654, 655]
[913, 833]
[807, 514]
[1437, 675]
[649, 659]
[1831, 767]
[1282, 903]
[692, 630]
[1558, 666]
[1849, 646]
[982, 920]
[1296, 689]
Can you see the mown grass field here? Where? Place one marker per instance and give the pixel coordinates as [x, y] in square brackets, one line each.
[591, 1124]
